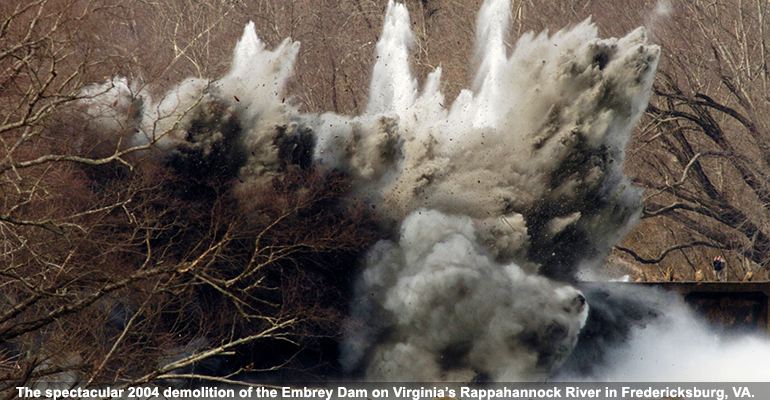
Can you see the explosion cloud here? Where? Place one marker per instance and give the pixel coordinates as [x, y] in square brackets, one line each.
[531, 159]
[497, 205]
[435, 298]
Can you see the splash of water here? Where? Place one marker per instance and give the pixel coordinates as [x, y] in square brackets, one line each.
[500, 201]
[649, 335]
[531, 158]
[540, 139]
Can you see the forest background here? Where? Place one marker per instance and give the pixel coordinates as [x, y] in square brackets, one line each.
[118, 269]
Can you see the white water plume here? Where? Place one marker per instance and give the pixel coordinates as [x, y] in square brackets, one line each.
[500, 201]
[541, 137]
[653, 336]
[245, 106]
[532, 160]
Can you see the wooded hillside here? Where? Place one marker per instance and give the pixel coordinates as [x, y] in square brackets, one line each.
[121, 268]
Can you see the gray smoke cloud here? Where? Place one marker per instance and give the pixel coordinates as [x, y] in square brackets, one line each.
[501, 202]
[434, 306]
[244, 111]
[517, 182]
[538, 142]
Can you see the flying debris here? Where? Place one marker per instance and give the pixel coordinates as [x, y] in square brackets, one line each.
[515, 189]
[495, 207]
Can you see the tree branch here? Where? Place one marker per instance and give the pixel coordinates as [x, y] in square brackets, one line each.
[665, 252]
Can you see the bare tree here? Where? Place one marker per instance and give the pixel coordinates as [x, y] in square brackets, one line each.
[123, 267]
[118, 266]
[703, 153]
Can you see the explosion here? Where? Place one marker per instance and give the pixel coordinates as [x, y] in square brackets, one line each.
[496, 206]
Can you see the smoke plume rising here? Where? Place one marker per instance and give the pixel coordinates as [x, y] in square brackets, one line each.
[434, 303]
[496, 205]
